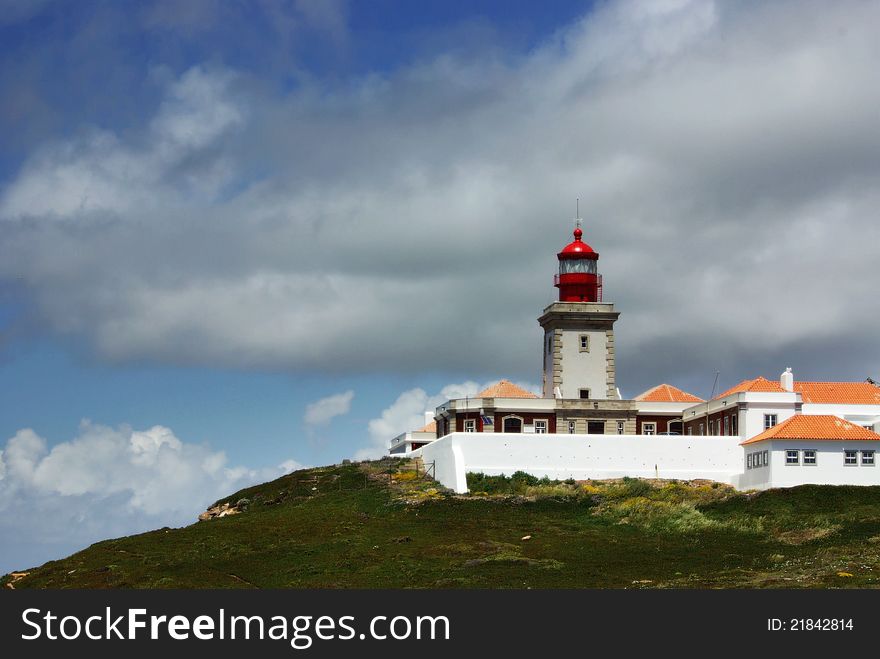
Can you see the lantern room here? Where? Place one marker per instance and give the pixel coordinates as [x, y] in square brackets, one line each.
[578, 280]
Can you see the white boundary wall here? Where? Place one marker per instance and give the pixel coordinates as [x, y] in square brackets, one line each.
[583, 456]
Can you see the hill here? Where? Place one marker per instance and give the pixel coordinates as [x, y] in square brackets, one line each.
[384, 525]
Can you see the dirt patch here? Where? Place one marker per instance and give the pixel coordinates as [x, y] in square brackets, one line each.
[801, 536]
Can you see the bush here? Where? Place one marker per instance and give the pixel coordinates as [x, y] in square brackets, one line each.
[521, 483]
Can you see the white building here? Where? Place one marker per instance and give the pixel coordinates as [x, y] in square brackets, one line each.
[820, 449]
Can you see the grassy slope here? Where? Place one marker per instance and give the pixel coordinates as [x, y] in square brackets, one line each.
[353, 531]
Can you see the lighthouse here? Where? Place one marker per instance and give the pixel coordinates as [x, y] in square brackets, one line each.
[578, 344]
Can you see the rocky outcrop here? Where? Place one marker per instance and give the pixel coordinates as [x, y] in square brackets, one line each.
[224, 510]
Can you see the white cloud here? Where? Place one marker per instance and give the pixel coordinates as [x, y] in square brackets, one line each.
[408, 413]
[100, 174]
[324, 410]
[408, 221]
[106, 482]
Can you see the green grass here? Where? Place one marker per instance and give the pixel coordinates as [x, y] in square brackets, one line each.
[358, 526]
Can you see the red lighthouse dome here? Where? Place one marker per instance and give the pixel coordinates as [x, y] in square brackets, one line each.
[578, 280]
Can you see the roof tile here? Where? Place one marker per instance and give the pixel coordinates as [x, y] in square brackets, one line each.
[815, 426]
[505, 389]
[757, 384]
[846, 393]
[666, 393]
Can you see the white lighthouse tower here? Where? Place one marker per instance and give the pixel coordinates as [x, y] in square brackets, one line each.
[579, 329]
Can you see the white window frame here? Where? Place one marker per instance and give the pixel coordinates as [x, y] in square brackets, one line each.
[572, 428]
[733, 424]
[814, 457]
[727, 425]
[620, 427]
[766, 455]
[702, 428]
[470, 425]
[649, 428]
[767, 420]
[540, 426]
[847, 458]
[792, 453]
[749, 461]
[873, 458]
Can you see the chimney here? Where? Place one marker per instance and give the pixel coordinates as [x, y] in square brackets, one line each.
[786, 380]
[429, 418]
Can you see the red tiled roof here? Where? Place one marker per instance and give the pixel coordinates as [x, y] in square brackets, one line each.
[847, 393]
[505, 389]
[431, 427]
[666, 393]
[815, 426]
[758, 384]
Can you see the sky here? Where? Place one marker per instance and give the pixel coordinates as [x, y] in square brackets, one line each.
[237, 238]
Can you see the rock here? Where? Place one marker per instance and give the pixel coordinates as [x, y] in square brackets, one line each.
[223, 510]
[526, 537]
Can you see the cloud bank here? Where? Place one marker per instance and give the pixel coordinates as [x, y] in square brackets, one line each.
[725, 155]
[106, 482]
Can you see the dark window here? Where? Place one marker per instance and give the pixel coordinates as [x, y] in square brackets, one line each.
[512, 424]
[584, 393]
[596, 427]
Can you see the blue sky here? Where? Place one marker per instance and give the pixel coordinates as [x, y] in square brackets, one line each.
[238, 237]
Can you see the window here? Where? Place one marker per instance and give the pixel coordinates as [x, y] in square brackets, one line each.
[540, 427]
[571, 427]
[512, 424]
[769, 421]
[766, 455]
[850, 457]
[577, 266]
[470, 425]
[584, 393]
[749, 461]
[596, 427]
[792, 457]
[690, 430]
[701, 429]
[549, 343]
[584, 343]
[727, 425]
[711, 426]
[733, 425]
[487, 420]
[867, 458]
[620, 427]
[809, 457]
[649, 428]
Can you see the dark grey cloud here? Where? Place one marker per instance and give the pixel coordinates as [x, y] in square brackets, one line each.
[725, 157]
